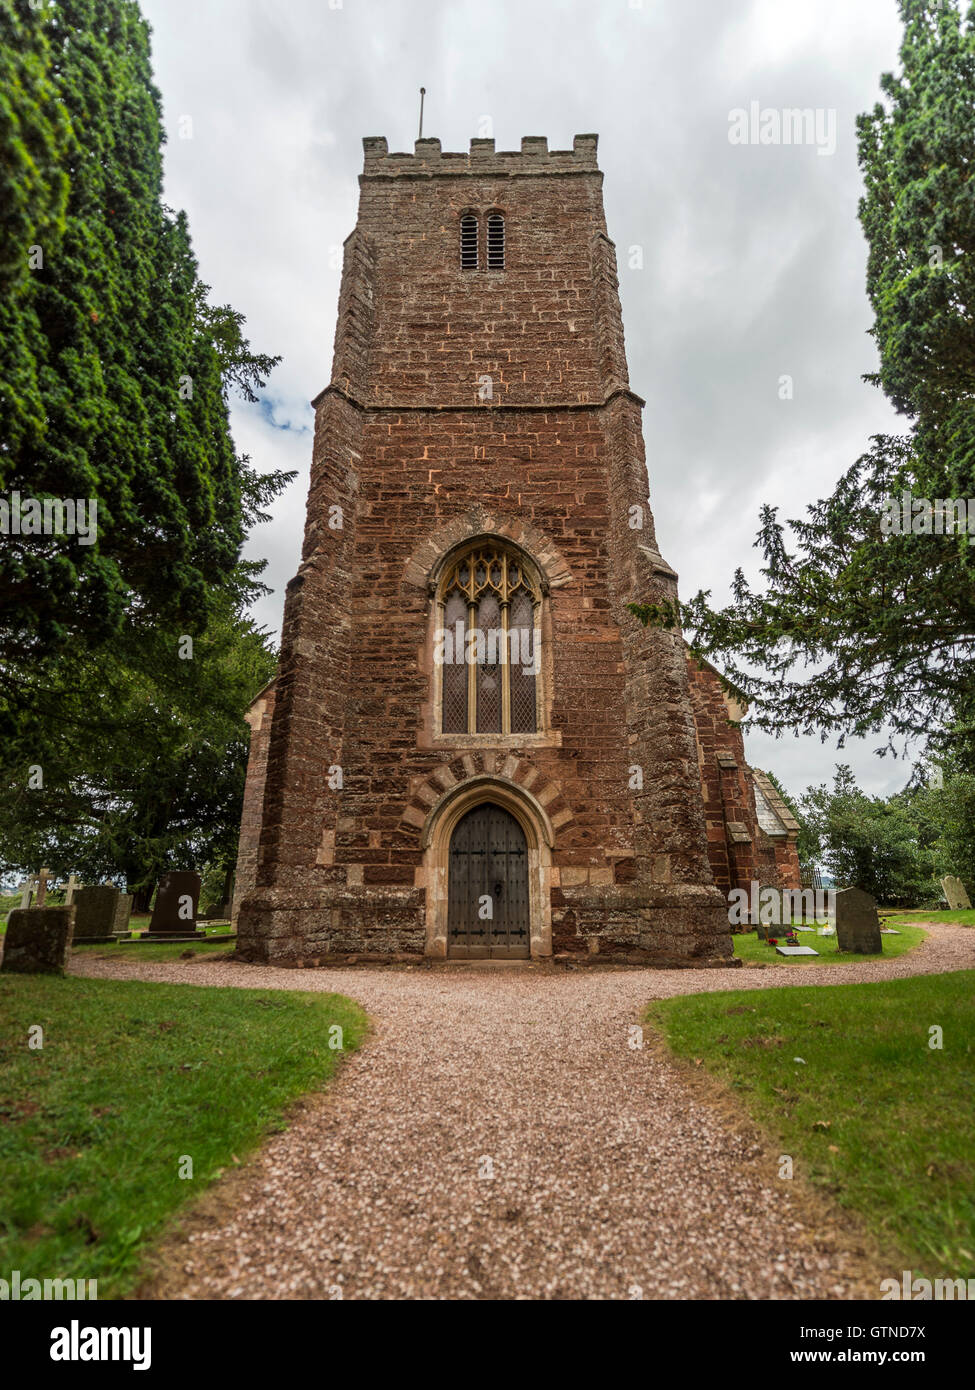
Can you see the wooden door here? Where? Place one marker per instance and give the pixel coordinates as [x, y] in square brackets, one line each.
[487, 893]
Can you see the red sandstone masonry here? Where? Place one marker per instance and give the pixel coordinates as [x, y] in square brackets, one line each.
[740, 851]
[409, 451]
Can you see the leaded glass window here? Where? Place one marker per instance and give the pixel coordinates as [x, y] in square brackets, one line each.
[489, 604]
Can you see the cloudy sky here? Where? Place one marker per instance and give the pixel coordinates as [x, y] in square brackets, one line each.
[752, 256]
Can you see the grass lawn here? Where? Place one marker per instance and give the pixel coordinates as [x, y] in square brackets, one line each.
[131, 1078]
[216, 943]
[748, 948]
[872, 1113]
[965, 918]
[156, 950]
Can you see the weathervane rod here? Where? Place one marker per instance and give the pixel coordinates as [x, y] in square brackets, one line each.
[423, 92]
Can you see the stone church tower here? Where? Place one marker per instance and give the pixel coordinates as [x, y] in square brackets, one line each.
[472, 748]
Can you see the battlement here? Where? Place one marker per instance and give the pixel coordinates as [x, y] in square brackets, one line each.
[429, 161]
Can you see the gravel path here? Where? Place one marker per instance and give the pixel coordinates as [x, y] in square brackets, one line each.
[497, 1137]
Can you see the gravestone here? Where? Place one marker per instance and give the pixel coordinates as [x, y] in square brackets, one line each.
[72, 888]
[174, 914]
[796, 951]
[857, 922]
[95, 910]
[38, 940]
[954, 891]
[123, 912]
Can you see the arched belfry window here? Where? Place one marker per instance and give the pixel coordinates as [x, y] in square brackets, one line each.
[495, 242]
[468, 242]
[488, 642]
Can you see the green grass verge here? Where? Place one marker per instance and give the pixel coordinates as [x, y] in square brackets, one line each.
[749, 948]
[157, 950]
[896, 1147]
[965, 918]
[131, 1078]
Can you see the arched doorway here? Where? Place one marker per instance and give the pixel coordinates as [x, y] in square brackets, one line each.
[488, 904]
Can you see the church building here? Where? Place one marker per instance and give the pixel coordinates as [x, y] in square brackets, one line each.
[472, 748]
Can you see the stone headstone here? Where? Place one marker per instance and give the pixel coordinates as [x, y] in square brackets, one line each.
[857, 922]
[26, 890]
[38, 940]
[954, 891]
[123, 912]
[95, 910]
[42, 879]
[72, 888]
[796, 951]
[177, 900]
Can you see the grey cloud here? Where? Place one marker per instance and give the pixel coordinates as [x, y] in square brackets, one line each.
[753, 258]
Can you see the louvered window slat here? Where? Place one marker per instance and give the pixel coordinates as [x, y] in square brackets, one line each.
[468, 243]
[495, 242]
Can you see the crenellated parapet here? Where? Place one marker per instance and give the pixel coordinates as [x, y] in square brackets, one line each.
[428, 160]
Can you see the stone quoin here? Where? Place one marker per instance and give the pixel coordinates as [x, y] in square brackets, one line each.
[479, 470]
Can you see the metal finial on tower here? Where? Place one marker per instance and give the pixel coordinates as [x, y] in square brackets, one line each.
[423, 92]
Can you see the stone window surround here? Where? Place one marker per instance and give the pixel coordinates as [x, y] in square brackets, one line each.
[481, 218]
[430, 733]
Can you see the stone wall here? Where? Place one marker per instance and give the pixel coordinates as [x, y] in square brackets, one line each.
[259, 719]
[740, 850]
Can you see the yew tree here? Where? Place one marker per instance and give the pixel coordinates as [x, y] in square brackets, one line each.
[114, 369]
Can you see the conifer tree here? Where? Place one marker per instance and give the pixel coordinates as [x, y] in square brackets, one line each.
[114, 370]
[858, 627]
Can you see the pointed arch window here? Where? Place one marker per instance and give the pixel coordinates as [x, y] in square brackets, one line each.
[488, 643]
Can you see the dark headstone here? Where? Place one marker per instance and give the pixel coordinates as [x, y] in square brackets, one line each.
[95, 910]
[177, 900]
[38, 940]
[857, 922]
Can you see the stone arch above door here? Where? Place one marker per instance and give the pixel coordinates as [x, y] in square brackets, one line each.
[429, 794]
[438, 827]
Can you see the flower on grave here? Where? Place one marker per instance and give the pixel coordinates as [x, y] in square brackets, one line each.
[773, 941]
